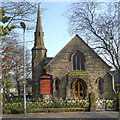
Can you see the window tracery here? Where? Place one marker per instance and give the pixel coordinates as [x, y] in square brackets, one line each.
[78, 61]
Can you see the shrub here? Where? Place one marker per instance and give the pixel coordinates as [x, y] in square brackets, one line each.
[7, 106]
[55, 104]
[110, 104]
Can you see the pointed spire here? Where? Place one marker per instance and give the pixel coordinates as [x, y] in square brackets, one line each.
[39, 41]
[38, 25]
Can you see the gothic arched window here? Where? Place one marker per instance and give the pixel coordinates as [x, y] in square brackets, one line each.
[78, 61]
[57, 84]
[56, 87]
[100, 83]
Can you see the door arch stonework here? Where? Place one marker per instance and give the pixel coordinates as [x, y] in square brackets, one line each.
[79, 88]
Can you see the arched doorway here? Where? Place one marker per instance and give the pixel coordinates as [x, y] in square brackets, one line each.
[79, 88]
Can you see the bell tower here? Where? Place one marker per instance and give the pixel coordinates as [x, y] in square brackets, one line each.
[38, 55]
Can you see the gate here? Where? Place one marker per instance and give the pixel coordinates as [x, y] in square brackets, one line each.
[105, 104]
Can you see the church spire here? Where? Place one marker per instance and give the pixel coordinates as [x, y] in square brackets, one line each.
[39, 41]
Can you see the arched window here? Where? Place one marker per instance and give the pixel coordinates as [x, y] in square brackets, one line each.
[56, 84]
[100, 83]
[78, 61]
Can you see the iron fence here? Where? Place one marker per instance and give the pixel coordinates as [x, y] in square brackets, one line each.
[16, 103]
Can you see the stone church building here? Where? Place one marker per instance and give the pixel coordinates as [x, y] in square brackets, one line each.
[74, 72]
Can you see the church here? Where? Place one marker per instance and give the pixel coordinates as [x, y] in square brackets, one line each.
[73, 73]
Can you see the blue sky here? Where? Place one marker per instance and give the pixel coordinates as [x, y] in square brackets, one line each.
[55, 27]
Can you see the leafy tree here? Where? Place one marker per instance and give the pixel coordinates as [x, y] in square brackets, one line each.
[99, 23]
[21, 11]
[6, 51]
[12, 13]
[4, 20]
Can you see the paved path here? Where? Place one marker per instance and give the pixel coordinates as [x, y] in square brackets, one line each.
[68, 115]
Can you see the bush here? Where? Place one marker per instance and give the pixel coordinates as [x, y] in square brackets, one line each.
[14, 107]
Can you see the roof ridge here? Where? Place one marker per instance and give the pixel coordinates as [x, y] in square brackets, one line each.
[62, 49]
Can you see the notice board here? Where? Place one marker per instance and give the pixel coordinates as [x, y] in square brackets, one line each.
[46, 84]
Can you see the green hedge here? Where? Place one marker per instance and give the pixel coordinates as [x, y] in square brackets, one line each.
[17, 107]
[56, 104]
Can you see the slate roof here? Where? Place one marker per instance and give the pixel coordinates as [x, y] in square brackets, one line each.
[116, 76]
[47, 60]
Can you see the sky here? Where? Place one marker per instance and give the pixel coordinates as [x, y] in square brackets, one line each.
[54, 25]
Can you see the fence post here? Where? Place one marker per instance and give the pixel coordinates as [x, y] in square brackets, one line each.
[92, 102]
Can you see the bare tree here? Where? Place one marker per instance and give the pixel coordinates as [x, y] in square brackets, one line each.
[12, 62]
[17, 72]
[12, 14]
[7, 62]
[21, 11]
[99, 23]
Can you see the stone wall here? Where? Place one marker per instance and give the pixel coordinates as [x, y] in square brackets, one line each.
[60, 67]
[37, 70]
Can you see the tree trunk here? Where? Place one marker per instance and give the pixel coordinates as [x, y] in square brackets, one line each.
[18, 88]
